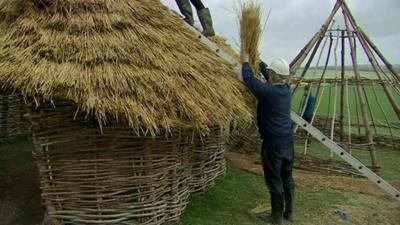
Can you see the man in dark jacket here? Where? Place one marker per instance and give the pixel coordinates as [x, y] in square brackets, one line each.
[203, 13]
[275, 126]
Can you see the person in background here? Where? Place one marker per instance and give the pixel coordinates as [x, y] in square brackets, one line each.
[276, 130]
[203, 13]
[308, 104]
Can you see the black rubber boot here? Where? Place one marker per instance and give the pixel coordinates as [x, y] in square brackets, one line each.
[289, 203]
[206, 22]
[277, 202]
[276, 215]
[186, 10]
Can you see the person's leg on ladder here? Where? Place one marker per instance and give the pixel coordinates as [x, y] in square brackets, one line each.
[204, 17]
[186, 10]
[198, 4]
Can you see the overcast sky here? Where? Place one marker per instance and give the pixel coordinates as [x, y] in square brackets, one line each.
[292, 23]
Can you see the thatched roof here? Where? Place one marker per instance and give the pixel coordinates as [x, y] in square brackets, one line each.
[129, 60]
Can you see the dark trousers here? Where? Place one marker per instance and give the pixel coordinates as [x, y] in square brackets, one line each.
[277, 159]
[197, 4]
[307, 118]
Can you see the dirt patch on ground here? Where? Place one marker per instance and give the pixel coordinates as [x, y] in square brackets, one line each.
[367, 210]
[361, 210]
[251, 163]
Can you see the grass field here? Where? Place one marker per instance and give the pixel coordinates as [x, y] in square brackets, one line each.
[376, 98]
[380, 110]
[388, 157]
[228, 203]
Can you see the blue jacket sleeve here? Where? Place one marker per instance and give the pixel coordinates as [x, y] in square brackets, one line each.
[257, 87]
[264, 70]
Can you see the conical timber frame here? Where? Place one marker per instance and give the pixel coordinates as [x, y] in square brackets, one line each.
[368, 47]
[330, 144]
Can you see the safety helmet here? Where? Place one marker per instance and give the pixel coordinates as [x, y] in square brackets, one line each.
[280, 67]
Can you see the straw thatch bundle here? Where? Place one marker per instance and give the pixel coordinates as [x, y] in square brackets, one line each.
[117, 59]
[250, 31]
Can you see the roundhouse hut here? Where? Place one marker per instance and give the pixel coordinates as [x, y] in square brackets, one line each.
[119, 90]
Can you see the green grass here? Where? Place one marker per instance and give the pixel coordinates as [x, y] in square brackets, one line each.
[231, 200]
[327, 102]
[379, 107]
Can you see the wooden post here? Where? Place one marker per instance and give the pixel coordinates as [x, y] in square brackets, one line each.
[349, 114]
[361, 96]
[325, 129]
[370, 112]
[326, 65]
[384, 114]
[357, 111]
[342, 89]
[334, 117]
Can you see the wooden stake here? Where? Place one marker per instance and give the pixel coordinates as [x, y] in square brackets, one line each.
[384, 114]
[348, 113]
[326, 64]
[361, 96]
[342, 89]
[370, 111]
[357, 109]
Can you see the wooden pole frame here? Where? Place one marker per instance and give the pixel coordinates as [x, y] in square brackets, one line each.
[362, 98]
[368, 40]
[315, 41]
[368, 52]
[342, 75]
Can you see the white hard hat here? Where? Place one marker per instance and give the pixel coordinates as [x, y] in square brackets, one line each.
[280, 67]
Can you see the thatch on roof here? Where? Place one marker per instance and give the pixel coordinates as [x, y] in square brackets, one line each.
[128, 60]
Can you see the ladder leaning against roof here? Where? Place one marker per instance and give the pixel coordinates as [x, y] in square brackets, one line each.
[329, 143]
